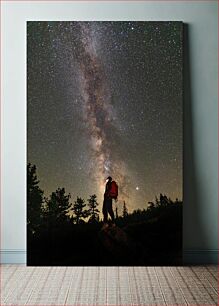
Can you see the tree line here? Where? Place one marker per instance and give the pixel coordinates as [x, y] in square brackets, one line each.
[55, 210]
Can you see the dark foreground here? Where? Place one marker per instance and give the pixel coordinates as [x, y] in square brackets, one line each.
[134, 241]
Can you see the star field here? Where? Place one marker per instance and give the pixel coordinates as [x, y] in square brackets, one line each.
[105, 98]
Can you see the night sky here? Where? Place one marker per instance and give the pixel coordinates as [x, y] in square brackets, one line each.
[105, 98]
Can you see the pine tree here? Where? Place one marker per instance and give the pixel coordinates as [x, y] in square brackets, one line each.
[164, 201]
[78, 210]
[93, 212]
[125, 210]
[57, 207]
[34, 200]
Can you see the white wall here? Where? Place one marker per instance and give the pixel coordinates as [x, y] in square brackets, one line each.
[200, 133]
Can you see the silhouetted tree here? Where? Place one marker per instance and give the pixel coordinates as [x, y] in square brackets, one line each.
[156, 201]
[34, 200]
[79, 210]
[164, 201]
[125, 210]
[117, 213]
[57, 207]
[93, 212]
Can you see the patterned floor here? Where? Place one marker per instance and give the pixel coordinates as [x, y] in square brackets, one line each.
[23, 285]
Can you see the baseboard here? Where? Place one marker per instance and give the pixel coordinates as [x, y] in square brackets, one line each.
[194, 257]
[197, 257]
[10, 256]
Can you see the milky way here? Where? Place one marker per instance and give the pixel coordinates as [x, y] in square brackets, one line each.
[105, 98]
[98, 114]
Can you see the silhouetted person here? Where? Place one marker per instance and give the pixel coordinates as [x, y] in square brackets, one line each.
[107, 203]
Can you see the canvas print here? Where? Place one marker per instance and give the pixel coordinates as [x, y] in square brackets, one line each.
[104, 143]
